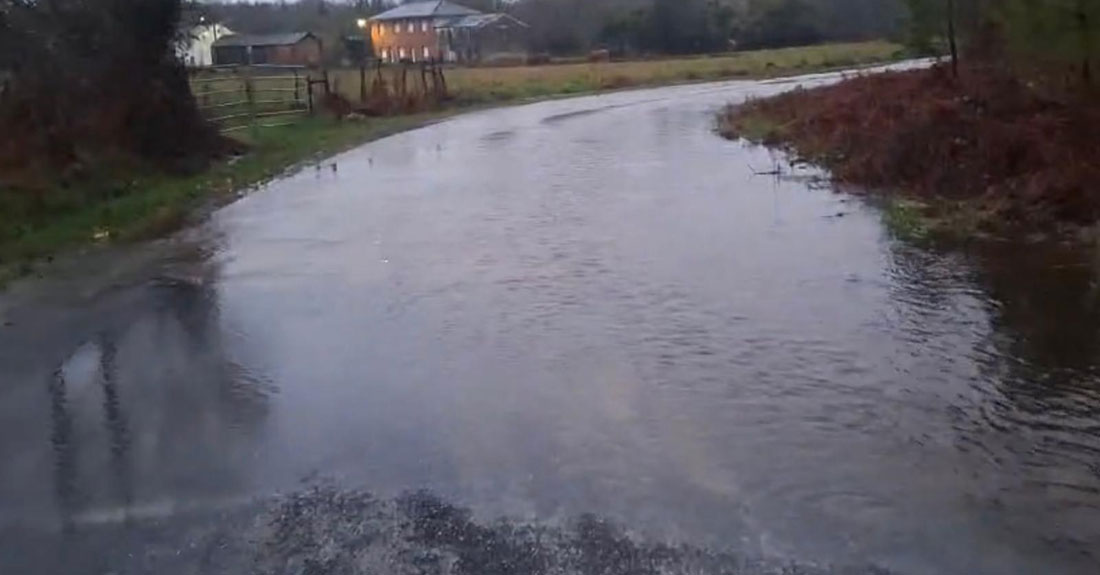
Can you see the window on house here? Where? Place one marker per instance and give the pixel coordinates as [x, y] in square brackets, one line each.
[402, 53]
[410, 26]
[413, 52]
[385, 54]
[423, 25]
[396, 27]
[427, 53]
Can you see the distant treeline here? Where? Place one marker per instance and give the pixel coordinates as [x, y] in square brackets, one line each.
[695, 26]
[1037, 35]
[563, 27]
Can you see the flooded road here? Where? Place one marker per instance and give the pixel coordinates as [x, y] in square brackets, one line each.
[586, 306]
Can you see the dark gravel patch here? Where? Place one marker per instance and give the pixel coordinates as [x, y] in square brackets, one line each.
[330, 531]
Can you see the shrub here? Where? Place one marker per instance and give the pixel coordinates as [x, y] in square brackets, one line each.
[88, 80]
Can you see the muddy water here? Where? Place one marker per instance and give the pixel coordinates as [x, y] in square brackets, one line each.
[581, 306]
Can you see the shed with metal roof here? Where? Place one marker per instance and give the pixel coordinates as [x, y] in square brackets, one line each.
[291, 48]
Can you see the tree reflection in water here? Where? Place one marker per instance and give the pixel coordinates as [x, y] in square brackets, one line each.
[173, 407]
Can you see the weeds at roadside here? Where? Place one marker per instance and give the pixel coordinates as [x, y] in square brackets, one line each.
[905, 219]
[153, 206]
[985, 154]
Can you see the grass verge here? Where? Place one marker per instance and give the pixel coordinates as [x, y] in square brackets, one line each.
[148, 205]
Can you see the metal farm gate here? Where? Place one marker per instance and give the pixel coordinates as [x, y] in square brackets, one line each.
[253, 96]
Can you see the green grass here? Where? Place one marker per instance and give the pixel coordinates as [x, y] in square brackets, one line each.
[757, 128]
[906, 219]
[935, 219]
[148, 205]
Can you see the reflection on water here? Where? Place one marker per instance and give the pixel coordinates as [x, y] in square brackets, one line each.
[144, 408]
[585, 306]
[62, 440]
[1046, 359]
[1025, 412]
[115, 420]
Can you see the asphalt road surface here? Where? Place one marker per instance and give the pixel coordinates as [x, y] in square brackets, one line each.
[589, 317]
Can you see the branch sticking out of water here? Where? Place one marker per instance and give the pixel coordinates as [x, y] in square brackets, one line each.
[777, 171]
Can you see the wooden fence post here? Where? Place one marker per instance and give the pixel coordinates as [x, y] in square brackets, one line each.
[363, 81]
[404, 82]
[442, 82]
[309, 92]
[424, 79]
[297, 94]
[250, 98]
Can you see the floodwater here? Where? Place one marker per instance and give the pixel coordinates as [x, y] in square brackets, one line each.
[585, 306]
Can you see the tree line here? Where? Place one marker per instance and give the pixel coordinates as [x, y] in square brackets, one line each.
[695, 26]
[628, 27]
[1050, 35]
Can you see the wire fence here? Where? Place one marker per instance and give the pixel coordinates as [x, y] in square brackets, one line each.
[254, 96]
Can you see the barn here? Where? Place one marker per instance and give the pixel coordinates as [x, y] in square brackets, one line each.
[295, 48]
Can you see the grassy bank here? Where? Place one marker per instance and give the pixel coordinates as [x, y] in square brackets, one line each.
[138, 204]
[982, 154]
[148, 205]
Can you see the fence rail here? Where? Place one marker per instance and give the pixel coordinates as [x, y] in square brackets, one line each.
[253, 96]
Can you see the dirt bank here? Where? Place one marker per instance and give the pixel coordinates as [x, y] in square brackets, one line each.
[982, 153]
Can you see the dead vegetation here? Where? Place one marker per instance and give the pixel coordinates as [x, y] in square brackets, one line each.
[387, 90]
[1009, 152]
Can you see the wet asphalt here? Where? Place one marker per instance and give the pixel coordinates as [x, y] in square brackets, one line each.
[579, 336]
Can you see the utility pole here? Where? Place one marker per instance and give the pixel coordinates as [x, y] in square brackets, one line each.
[951, 38]
[1086, 42]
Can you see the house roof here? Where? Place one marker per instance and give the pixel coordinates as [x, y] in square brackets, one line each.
[480, 21]
[426, 9]
[286, 39]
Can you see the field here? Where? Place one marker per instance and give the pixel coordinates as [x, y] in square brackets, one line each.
[501, 84]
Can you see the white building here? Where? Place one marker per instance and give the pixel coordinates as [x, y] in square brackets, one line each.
[195, 47]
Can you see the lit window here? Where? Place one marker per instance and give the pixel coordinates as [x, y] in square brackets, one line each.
[396, 27]
[385, 54]
[403, 54]
[427, 53]
[414, 55]
[423, 25]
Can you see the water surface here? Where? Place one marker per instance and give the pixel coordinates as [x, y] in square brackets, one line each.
[580, 306]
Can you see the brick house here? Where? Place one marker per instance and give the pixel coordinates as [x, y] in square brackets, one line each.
[422, 30]
[296, 48]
